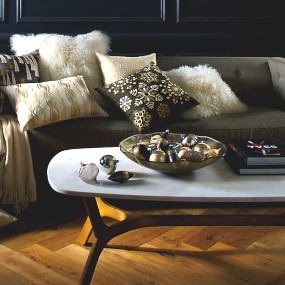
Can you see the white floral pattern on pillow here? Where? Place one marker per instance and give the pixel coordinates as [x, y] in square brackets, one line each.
[148, 98]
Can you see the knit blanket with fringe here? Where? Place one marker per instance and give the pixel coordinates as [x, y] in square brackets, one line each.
[17, 181]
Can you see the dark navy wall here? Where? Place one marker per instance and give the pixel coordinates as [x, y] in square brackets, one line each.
[196, 27]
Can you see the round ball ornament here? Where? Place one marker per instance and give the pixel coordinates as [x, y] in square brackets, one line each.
[158, 156]
[201, 147]
[108, 164]
[189, 140]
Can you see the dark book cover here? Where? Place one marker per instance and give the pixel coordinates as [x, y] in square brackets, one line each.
[260, 152]
[240, 167]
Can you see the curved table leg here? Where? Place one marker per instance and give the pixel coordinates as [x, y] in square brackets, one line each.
[92, 260]
[131, 221]
[96, 210]
[105, 210]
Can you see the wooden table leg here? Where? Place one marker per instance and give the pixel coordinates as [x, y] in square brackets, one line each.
[85, 232]
[101, 232]
[96, 210]
[105, 210]
[129, 221]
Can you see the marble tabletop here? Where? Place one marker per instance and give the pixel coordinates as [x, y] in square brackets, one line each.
[215, 183]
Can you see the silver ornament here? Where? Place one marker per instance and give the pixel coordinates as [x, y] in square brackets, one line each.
[88, 172]
[189, 140]
[108, 163]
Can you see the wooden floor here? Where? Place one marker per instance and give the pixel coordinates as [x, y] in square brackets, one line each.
[44, 251]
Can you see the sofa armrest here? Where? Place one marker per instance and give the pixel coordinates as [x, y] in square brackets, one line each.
[277, 69]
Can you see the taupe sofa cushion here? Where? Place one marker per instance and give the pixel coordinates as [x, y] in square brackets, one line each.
[277, 68]
[248, 77]
[256, 123]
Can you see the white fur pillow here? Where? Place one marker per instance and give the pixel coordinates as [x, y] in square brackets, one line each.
[63, 56]
[205, 85]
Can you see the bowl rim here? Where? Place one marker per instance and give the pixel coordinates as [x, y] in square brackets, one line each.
[179, 134]
[173, 167]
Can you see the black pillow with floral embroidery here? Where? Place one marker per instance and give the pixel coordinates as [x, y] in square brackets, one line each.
[15, 70]
[148, 98]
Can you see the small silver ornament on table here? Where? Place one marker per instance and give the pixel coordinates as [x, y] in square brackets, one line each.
[88, 172]
[108, 164]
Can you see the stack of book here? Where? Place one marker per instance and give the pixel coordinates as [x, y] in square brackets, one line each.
[256, 156]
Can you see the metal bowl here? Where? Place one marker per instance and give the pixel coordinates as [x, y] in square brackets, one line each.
[171, 167]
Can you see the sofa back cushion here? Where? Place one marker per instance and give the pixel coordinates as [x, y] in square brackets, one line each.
[248, 77]
[277, 68]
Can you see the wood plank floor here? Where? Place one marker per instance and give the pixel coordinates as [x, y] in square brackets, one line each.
[42, 250]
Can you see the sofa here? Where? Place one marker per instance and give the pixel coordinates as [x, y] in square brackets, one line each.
[249, 78]
[256, 81]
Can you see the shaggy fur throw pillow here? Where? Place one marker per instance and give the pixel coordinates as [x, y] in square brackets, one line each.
[63, 56]
[205, 85]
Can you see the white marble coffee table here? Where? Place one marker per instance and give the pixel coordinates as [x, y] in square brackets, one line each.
[215, 183]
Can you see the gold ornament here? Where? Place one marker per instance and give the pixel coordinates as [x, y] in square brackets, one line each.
[182, 151]
[194, 156]
[140, 151]
[158, 156]
[155, 139]
[120, 176]
[213, 152]
[201, 147]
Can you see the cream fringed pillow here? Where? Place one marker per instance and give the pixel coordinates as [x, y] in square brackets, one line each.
[116, 67]
[39, 104]
[206, 86]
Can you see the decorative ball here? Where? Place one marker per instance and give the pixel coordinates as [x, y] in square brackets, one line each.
[88, 172]
[108, 164]
[157, 156]
[140, 151]
[155, 139]
[201, 147]
[121, 176]
[193, 155]
[182, 151]
[189, 140]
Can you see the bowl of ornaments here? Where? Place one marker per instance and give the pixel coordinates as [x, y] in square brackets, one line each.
[172, 152]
